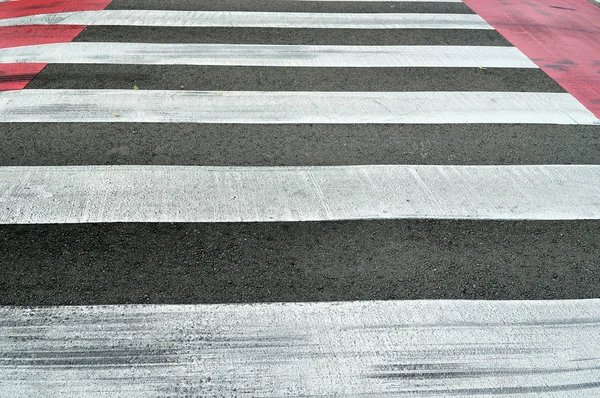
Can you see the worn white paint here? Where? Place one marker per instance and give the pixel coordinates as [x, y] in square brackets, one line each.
[268, 55]
[290, 107]
[376, 349]
[385, 1]
[81, 194]
[254, 19]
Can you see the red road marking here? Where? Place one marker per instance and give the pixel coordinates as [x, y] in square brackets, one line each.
[17, 76]
[561, 36]
[16, 36]
[21, 8]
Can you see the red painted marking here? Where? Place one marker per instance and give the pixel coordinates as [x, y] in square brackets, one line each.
[21, 8]
[16, 36]
[561, 36]
[17, 76]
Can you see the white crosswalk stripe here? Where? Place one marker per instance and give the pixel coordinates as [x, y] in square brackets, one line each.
[363, 348]
[269, 55]
[220, 222]
[98, 194]
[291, 107]
[254, 19]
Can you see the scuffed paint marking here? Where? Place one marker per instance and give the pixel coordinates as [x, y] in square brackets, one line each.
[255, 19]
[392, 348]
[276, 107]
[270, 55]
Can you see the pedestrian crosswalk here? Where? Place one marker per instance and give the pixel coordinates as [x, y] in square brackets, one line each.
[237, 198]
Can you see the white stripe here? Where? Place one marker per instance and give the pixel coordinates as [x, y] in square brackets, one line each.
[80, 194]
[254, 19]
[290, 107]
[357, 349]
[385, 1]
[268, 55]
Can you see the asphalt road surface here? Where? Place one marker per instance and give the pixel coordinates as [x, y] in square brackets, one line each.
[291, 198]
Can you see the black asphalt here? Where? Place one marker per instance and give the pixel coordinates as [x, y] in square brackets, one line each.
[310, 261]
[232, 78]
[56, 144]
[349, 37]
[292, 6]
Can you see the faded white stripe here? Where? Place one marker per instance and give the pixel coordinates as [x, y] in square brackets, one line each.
[387, 1]
[378, 349]
[268, 55]
[80, 194]
[290, 107]
[254, 19]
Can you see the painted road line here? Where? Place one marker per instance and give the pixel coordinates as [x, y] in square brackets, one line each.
[269, 55]
[89, 194]
[255, 19]
[165, 106]
[390, 348]
[385, 1]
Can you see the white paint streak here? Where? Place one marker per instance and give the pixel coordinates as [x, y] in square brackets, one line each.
[290, 107]
[379, 349]
[268, 55]
[254, 19]
[385, 1]
[80, 194]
